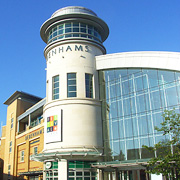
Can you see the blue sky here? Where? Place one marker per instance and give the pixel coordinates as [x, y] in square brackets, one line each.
[135, 25]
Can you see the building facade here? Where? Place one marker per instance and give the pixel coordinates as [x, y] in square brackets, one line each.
[99, 110]
[22, 137]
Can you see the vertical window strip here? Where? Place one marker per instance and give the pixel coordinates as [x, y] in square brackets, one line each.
[9, 170]
[35, 150]
[12, 122]
[71, 85]
[22, 156]
[55, 87]
[89, 85]
[10, 147]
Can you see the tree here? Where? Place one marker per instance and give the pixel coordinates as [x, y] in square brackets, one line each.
[167, 152]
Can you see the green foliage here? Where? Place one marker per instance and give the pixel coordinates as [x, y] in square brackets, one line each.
[167, 160]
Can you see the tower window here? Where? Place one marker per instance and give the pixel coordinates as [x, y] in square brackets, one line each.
[89, 85]
[55, 87]
[74, 29]
[71, 84]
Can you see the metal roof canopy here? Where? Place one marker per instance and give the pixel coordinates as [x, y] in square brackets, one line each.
[122, 165]
[50, 156]
[31, 173]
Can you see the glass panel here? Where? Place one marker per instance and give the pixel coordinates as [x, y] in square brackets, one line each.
[67, 25]
[61, 31]
[165, 77]
[67, 30]
[83, 25]
[75, 24]
[128, 125]
[169, 95]
[61, 26]
[115, 129]
[78, 173]
[86, 178]
[75, 29]
[150, 78]
[86, 173]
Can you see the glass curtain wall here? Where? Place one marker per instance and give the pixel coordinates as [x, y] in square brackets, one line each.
[133, 101]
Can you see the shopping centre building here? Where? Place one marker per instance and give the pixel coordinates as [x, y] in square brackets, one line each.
[99, 109]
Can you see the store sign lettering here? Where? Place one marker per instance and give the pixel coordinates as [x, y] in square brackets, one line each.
[62, 49]
[34, 134]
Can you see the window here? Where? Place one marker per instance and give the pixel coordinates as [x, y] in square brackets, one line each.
[9, 170]
[10, 147]
[81, 170]
[89, 85]
[12, 122]
[71, 84]
[51, 171]
[74, 29]
[35, 150]
[55, 87]
[22, 156]
[36, 121]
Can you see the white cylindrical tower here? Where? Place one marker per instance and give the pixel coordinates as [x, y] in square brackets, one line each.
[72, 113]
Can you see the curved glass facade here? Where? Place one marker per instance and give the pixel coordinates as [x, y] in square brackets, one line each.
[74, 29]
[133, 101]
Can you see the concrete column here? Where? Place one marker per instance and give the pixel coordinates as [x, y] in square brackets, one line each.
[44, 174]
[138, 174]
[122, 175]
[62, 170]
[106, 176]
[100, 174]
[29, 120]
[117, 173]
[127, 175]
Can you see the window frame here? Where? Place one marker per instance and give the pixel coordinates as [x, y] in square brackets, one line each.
[89, 85]
[12, 121]
[69, 85]
[22, 156]
[35, 148]
[55, 88]
[10, 146]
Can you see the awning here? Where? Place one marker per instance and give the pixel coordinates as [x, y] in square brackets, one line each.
[31, 173]
[122, 165]
[49, 156]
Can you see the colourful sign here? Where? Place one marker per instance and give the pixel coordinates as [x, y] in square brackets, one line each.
[52, 123]
[53, 126]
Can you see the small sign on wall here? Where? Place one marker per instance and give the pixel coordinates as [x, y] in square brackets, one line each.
[53, 127]
[52, 123]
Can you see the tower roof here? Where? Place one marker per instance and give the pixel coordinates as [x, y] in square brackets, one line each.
[76, 13]
[73, 10]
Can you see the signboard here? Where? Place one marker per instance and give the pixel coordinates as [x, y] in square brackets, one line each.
[48, 165]
[53, 127]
